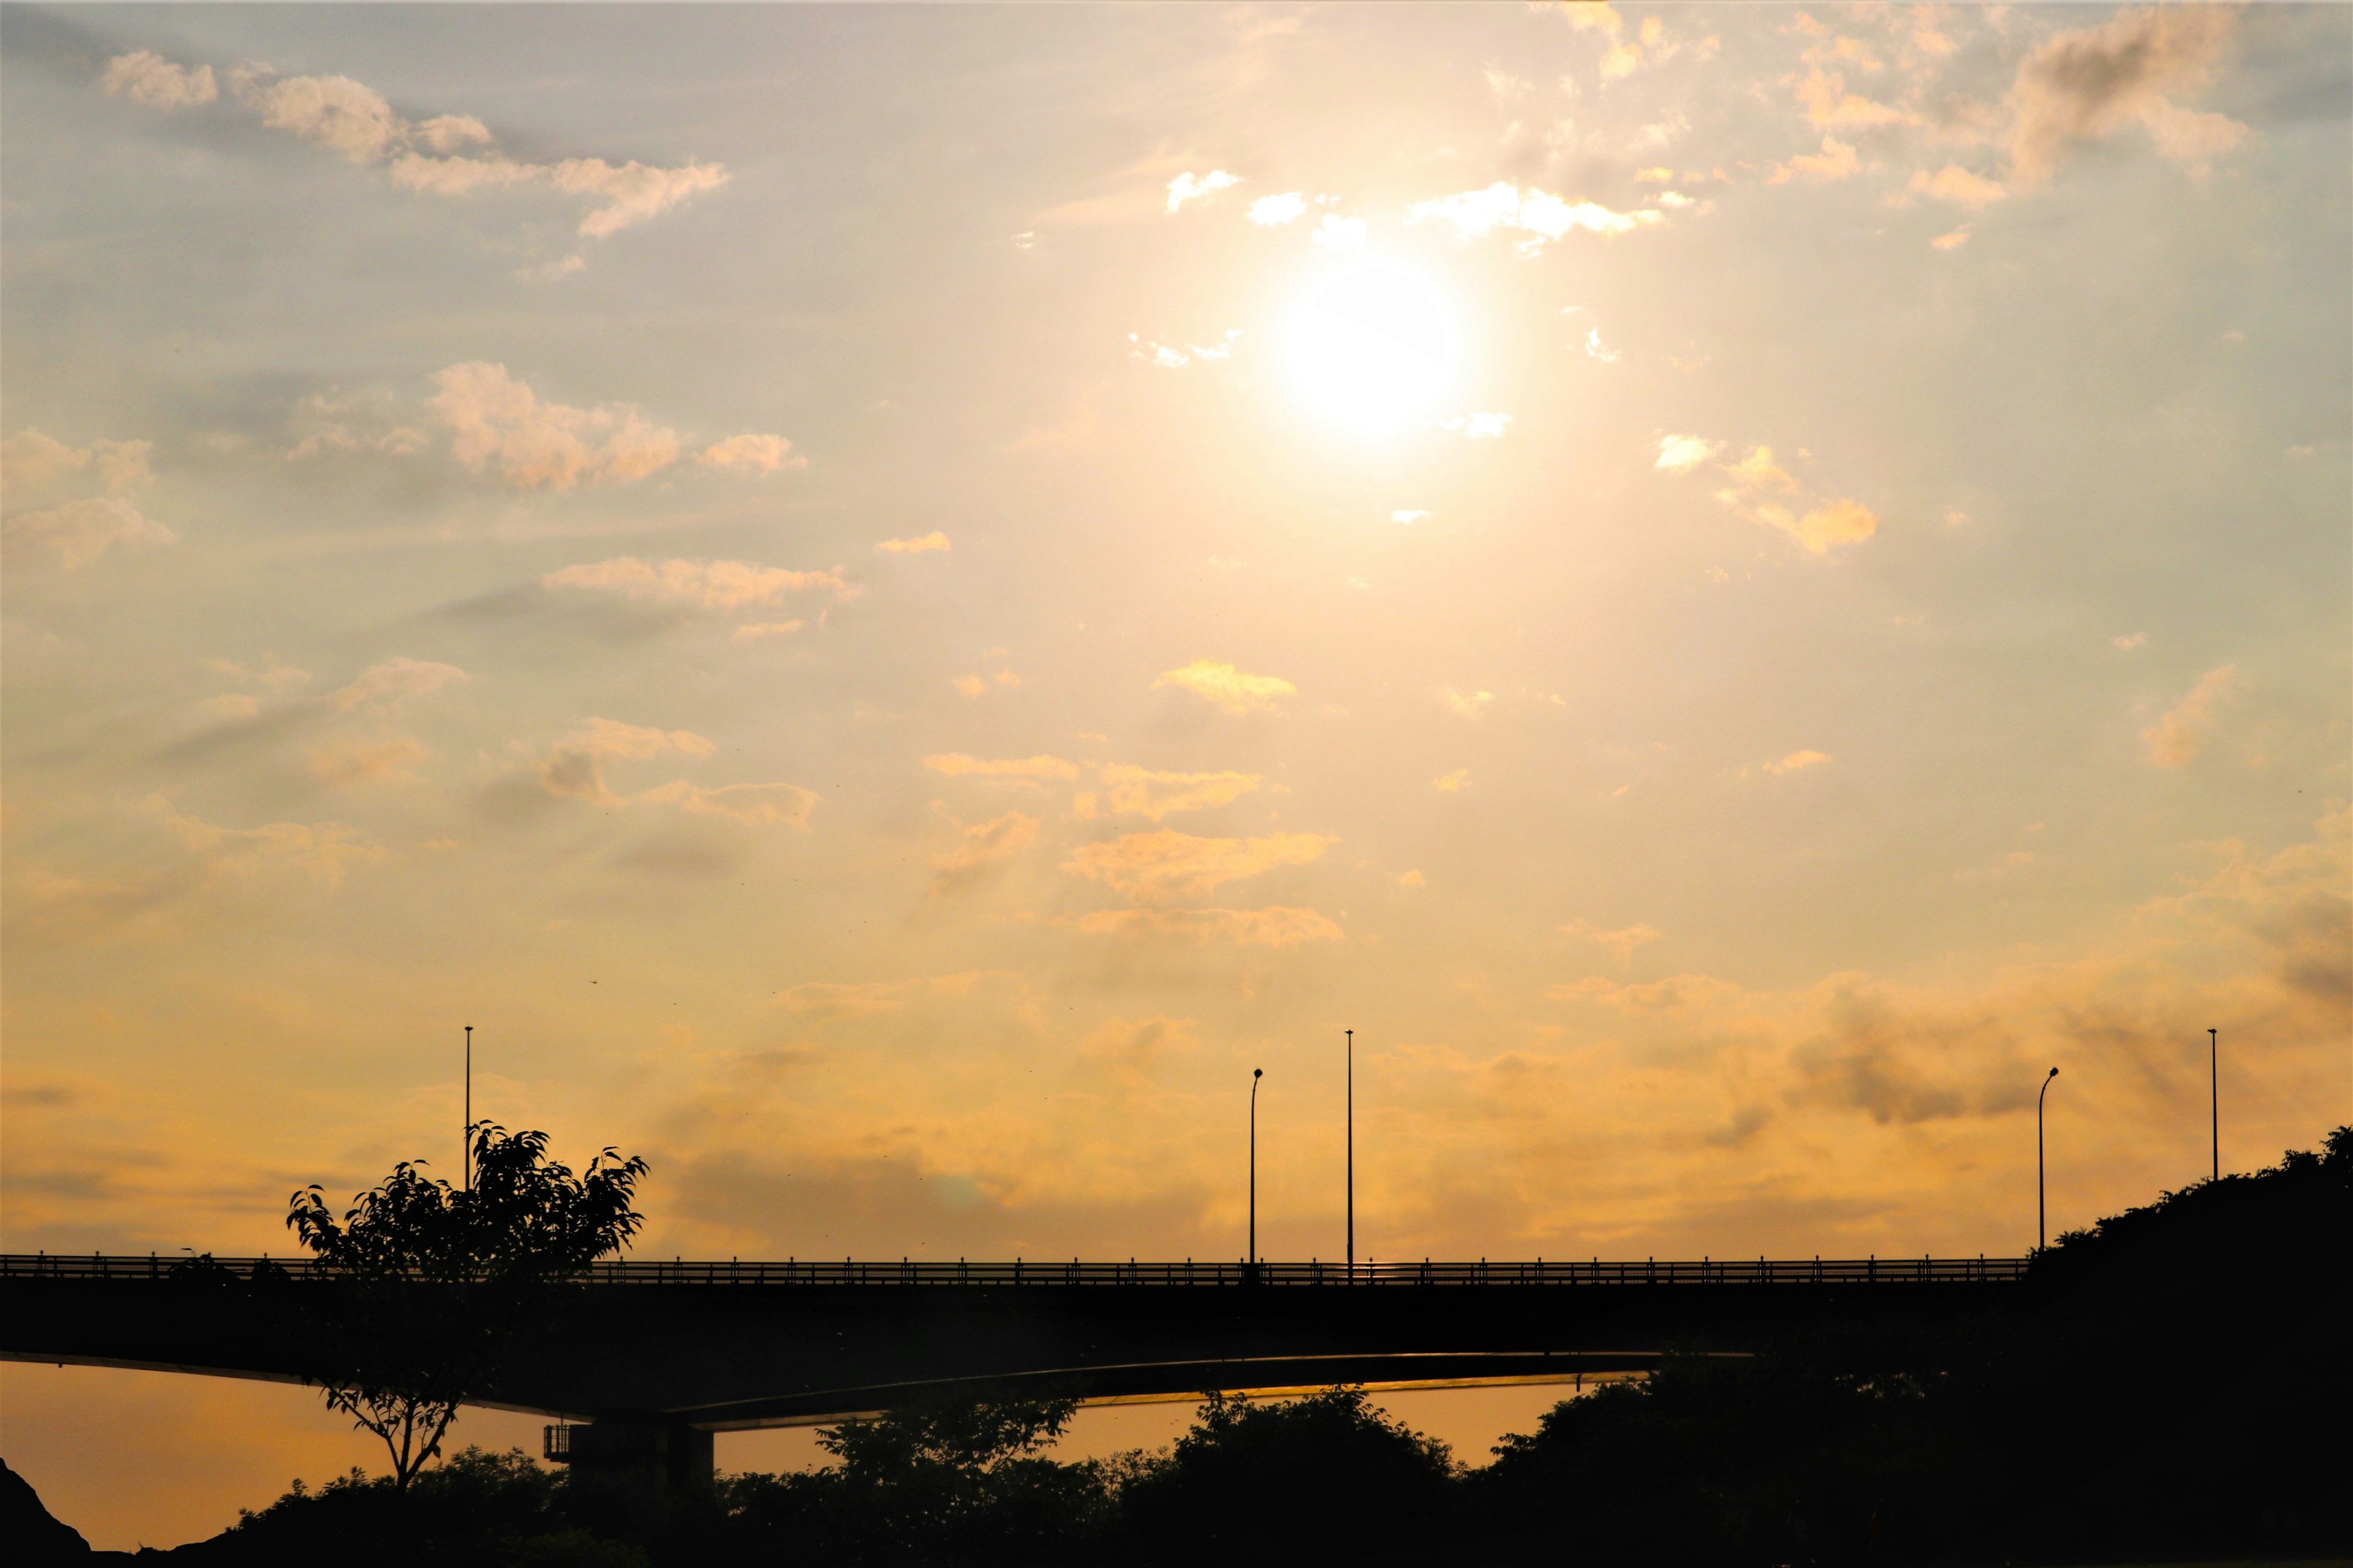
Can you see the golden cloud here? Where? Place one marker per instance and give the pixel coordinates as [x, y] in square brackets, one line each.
[1139, 792]
[1235, 691]
[1274, 927]
[1168, 864]
[984, 848]
[703, 584]
[956, 765]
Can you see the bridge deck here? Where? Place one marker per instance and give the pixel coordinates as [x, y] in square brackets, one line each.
[904, 1272]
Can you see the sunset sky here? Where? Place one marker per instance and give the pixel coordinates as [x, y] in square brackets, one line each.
[886, 601]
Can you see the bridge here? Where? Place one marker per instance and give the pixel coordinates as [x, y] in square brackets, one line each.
[655, 1357]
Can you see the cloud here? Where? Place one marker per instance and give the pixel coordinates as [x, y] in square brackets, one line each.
[1137, 1047]
[323, 851]
[933, 541]
[1956, 184]
[387, 684]
[575, 768]
[273, 675]
[1339, 235]
[575, 765]
[1953, 240]
[1817, 527]
[1595, 349]
[1235, 691]
[1276, 927]
[1139, 792]
[751, 454]
[1619, 945]
[956, 765]
[1150, 867]
[984, 848]
[1830, 106]
[754, 631]
[1453, 783]
[1834, 522]
[1269, 211]
[1170, 358]
[2174, 740]
[80, 531]
[759, 804]
[1622, 56]
[1468, 705]
[2129, 640]
[829, 1002]
[1682, 453]
[145, 76]
[1540, 216]
[330, 422]
[720, 585]
[1836, 161]
[1187, 187]
[350, 118]
[1481, 426]
[33, 458]
[1796, 762]
[496, 421]
[1405, 517]
[2084, 85]
[339, 762]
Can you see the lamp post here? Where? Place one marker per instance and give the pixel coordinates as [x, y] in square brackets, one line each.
[466, 1145]
[2041, 1211]
[1352, 1156]
[2214, 1084]
[1256, 1074]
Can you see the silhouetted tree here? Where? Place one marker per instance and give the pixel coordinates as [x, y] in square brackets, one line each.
[1327, 1478]
[950, 1479]
[428, 1281]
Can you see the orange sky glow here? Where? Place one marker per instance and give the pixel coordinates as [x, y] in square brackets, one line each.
[887, 601]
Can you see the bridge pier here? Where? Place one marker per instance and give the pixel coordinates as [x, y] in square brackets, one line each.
[641, 1458]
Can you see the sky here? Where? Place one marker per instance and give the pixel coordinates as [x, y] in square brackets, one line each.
[889, 600]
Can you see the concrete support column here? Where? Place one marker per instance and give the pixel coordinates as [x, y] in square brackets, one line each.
[646, 1457]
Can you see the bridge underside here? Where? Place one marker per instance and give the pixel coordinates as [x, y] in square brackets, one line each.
[721, 1356]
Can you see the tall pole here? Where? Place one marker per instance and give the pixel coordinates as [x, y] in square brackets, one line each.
[1352, 1156]
[466, 1147]
[2041, 1210]
[1256, 1074]
[2215, 1080]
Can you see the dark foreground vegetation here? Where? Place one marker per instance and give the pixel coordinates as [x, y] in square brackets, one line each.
[2172, 1384]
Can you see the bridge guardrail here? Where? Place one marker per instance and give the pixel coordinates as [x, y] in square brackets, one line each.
[1024, 1272]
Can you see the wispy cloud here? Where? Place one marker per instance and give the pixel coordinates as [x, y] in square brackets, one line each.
[388, 684]
[2178, 734]
[1538, 214]
[1167, 864]
[446, 155]
[1191, 187]
[720, 585]
[916, 546]
[983, 848]
[1235, 691]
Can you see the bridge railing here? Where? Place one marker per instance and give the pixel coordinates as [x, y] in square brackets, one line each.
[1024, 1272]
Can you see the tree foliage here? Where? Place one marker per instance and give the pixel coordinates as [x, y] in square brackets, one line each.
[429, 1282]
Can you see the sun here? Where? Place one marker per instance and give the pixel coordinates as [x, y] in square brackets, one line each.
[1371, 349]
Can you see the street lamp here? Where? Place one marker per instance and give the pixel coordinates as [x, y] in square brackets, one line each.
[2042, 1212]
[1352, 1156]
[1256, 1074]
[2214, 1082]
[466, 1147]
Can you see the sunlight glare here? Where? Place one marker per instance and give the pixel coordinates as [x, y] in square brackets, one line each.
[1371, 349]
